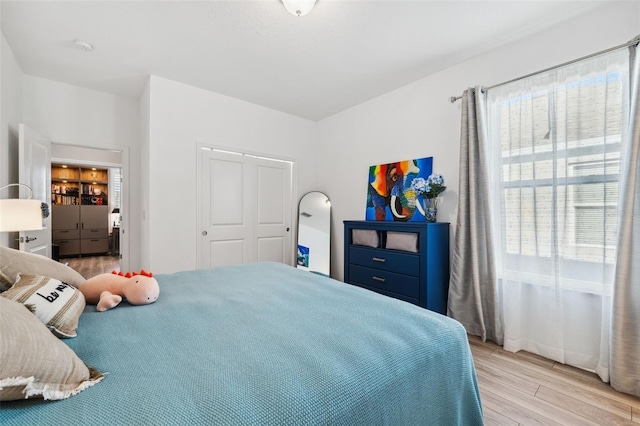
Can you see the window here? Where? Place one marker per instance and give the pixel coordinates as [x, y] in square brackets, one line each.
[115, 183]
[556, 148]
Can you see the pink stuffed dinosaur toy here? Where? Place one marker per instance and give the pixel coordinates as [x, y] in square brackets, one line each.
[108, 290]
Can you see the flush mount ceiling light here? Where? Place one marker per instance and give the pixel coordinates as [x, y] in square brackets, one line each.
[83, 45]
[299, 7]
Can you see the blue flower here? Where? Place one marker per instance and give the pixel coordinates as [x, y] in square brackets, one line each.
[436, 179]
[420, 185]
[432, 187]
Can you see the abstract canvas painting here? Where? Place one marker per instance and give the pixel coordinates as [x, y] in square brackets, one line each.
[390, 195]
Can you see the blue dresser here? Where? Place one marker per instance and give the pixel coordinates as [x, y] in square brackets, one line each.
[405, 260]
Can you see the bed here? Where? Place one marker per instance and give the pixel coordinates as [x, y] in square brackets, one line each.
[265, 344]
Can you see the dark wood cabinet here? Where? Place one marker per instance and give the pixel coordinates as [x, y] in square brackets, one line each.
[80, 230]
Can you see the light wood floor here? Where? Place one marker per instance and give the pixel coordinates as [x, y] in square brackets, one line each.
[526, 389]
[93, 265]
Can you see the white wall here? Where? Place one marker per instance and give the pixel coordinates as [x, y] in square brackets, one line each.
[73, 115]
[84, 156]
[10, 116]
[418, 120]
[181, 116]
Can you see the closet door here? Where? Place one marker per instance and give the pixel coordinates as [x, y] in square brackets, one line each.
[244, 209]
[65, 217]
[271, 196]
[94, 217]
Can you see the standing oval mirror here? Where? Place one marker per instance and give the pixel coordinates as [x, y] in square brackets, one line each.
[314, 233]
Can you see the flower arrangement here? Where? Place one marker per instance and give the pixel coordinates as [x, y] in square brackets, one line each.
[430, 189]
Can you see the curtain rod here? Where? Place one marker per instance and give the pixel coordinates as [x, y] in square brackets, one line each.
[633, 42]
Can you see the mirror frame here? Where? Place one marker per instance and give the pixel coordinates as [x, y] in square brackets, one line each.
[328, 232]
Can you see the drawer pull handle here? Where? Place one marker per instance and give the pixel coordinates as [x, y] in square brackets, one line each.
[379, 279]
[379, 259]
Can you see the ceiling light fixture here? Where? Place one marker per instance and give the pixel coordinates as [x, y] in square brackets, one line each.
[83, 45]
[299, 7]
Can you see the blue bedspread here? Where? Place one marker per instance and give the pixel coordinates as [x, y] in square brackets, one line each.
[266, 344]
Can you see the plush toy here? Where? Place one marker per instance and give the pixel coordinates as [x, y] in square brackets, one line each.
[108, 290]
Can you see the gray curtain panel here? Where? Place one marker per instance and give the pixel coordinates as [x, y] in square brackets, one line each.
[473, 287]
[625, 313]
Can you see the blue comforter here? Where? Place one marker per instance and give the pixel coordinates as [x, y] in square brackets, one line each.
[266, 344]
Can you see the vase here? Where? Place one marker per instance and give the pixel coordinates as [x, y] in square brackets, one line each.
[431, 208]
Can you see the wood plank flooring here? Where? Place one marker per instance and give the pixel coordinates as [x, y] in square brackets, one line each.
[526, 389]
[93, 265]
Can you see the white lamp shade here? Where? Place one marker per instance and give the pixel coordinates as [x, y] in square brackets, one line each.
[20, 215]
[299, 7]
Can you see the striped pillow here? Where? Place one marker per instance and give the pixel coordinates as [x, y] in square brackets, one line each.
[58, 305]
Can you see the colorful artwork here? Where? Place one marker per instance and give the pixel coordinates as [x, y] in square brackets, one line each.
[303, 256]
[390, 195]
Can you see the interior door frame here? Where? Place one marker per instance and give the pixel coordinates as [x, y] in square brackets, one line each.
[125, 252]
[294, 189]
[28, 140]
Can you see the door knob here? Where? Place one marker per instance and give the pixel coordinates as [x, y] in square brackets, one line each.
[27, 239]
[204, 233]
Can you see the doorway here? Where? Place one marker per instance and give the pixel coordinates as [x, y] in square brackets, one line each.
[87, 208]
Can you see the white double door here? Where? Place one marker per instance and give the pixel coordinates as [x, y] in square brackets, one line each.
[245, 209]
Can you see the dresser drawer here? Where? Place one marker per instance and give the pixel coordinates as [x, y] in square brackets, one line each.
[411, 300]
[421, 277]
[94, 233]
[94, 245]
[387, 260]
[385, 280]
[68, 247]
[65, 234]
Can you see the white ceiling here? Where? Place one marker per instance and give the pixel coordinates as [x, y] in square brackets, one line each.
[341, 54]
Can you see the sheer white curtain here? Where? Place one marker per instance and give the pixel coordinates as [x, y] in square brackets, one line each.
[554, 154]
